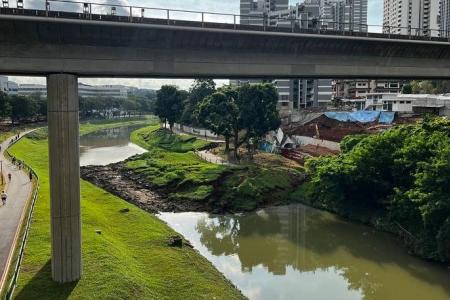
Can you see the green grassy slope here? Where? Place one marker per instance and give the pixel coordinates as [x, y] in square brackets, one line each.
[171, 164]
[129, 260]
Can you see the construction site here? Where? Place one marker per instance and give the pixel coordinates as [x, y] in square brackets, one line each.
[314, 134]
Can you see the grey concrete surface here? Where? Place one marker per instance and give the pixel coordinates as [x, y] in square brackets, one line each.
[40, 46]
[19, 192]
[64, 167]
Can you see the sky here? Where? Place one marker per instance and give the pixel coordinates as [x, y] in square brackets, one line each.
[375, 17]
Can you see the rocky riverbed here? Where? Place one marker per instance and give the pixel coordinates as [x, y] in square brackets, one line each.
[117, 180]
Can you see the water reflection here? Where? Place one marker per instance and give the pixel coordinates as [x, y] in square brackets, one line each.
[295, 252]
[108, 146]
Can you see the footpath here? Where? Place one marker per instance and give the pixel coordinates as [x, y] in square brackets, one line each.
[19, 191]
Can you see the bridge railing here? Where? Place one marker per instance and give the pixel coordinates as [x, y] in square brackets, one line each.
[152, 15]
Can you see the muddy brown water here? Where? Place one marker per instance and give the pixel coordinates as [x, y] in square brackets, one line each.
[108, 146]
[293, 252]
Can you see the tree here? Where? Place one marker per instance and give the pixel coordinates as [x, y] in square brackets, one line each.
[407, 89]
[258, 111]
[423, 87]
[200, 89]
[169, 104]
[220, 114]
[442, 86]
[22, 108]
[128, 105]
[41, 104]
[245, 113]
[5, 106]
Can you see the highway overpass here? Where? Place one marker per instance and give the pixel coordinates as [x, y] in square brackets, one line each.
[65, 46]
[39, 45]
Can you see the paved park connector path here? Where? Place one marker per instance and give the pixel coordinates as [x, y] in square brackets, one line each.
[19, 192]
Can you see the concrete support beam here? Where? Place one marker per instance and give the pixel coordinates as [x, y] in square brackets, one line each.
[64, 165]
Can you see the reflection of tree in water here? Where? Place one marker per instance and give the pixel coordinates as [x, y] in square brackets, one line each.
[109, 137]
[308, 240]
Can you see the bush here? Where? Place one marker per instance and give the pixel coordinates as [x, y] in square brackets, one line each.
[402, 174]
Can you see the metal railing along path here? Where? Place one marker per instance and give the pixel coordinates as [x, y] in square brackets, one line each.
[153, 15]
[13, 281]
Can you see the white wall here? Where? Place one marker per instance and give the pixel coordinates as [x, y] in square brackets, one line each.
[196, 131]
[306, 140]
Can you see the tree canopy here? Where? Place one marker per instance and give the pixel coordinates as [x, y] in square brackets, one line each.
[244, 113]
[402, 175]
[220, 113]
[200, 89]
[169, 104]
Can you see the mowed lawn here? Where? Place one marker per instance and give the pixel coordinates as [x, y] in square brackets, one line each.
[130, 259]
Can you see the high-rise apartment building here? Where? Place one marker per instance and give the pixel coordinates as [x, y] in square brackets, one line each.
[256, 12]
[344, 14]
[295, 94]
[445, 18]
[356, 89]
[412, 17]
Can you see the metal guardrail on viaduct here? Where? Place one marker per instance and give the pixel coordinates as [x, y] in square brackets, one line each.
[95, 40]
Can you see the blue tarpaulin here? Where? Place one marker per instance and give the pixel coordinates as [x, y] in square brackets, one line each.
[386, 117]
[362, 116]
[266, 147]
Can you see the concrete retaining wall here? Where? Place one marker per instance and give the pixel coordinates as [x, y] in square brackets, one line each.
[195, 131]
[306, 140]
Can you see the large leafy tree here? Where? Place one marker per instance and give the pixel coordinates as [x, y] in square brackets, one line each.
[200, 89]
[244, 113]
[169, 104]
[258, 111]
[41, 104]
[220, 114]
[5, 107]
[22, 108]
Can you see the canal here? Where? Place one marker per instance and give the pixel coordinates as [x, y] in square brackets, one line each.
[292, 252]
[108, 146]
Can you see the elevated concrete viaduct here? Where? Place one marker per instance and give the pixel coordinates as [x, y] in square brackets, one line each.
[39, 45]
[63, 49]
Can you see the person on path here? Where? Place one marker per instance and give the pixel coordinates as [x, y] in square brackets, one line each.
[4, 196]
[31, 176]
[9, 176]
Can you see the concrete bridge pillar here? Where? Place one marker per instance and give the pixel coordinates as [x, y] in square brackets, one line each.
[64, 165]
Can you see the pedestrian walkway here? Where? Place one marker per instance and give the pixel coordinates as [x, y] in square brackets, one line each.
[212, 158]
[19, 191]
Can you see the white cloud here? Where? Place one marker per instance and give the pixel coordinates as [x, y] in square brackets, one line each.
[140, 83]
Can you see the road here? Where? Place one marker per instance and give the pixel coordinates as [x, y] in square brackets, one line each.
[11, 215]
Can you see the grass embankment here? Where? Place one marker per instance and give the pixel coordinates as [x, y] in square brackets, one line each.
[96, 125]
[129, 260]
[171, 165]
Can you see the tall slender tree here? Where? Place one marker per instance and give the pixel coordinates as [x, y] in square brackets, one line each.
[200, 89]
[5, 106]
[220, 114]
[169, 104]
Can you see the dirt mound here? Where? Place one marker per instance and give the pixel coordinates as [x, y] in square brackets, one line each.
[329, 129]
